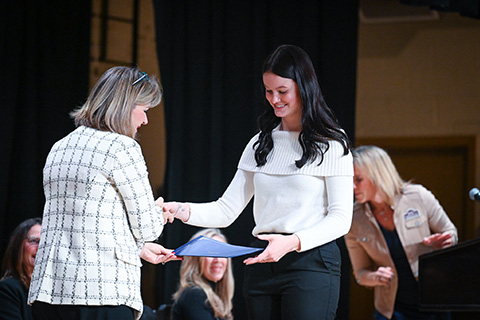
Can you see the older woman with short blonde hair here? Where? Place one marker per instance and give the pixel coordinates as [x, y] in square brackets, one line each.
[99, 212]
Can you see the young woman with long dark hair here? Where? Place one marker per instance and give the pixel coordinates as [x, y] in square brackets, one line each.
[299, 171]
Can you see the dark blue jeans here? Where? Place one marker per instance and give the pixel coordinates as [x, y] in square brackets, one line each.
[300, 286]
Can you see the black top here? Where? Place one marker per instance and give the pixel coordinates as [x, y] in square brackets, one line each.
[406, 301]
[407, 293]
[193, 305]
[13, 300]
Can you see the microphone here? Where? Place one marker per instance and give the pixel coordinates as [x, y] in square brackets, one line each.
[474, 194]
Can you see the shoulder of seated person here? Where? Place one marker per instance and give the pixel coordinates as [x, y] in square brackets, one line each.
[12, 284]
[194, 290]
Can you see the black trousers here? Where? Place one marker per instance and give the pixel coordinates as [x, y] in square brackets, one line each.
[45, 311]
[300, 286]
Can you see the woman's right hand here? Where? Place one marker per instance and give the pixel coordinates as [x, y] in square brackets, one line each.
[167, 216]
[178, 210]
[159, 202]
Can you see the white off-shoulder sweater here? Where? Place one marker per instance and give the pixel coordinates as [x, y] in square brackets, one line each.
[314, 202]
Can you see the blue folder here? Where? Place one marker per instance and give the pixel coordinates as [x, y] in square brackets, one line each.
[208, 247]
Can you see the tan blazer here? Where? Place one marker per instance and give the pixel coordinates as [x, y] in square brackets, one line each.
[417, 214]
[99, 211]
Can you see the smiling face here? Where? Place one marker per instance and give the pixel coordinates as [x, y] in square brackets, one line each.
[363, 187]
[139, 116]
[284, 97]
[213, 269]
[30, 248]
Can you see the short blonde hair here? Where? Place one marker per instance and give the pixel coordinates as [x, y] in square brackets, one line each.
[191, 275]
[112, 99]
[379, 168]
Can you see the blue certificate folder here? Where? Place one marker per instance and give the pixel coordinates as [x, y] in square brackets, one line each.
[206, 247]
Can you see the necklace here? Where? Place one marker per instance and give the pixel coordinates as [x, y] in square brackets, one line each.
[382, 214]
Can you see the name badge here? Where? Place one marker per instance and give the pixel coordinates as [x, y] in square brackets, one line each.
[411, 214]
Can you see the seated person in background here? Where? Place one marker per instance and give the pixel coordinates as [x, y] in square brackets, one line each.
[17, 270]
[206, 286]
[394, 222]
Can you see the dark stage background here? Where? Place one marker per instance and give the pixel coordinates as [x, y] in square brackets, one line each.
[210, 55]
[45, 55]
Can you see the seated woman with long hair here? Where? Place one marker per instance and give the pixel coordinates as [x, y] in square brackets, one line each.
[17, 269]
[206, 285]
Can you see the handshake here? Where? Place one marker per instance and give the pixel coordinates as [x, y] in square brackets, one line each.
[155, 253]
[173, 210]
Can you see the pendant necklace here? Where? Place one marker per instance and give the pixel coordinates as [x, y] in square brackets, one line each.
[382, 214]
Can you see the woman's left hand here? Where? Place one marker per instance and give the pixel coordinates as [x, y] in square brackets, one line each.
[155, 253]
[439, 240]
[278, 246]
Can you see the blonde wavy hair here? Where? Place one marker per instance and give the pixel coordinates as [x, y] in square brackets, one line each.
[112, 99]
[378, 166]
[191, 275]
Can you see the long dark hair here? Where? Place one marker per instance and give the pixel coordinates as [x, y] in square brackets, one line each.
[319, 124]
[13, 259]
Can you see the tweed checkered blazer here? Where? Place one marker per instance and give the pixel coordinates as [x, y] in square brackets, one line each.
[99, 210]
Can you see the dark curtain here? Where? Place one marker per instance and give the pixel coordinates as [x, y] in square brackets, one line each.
[210, 55]
[44, 49]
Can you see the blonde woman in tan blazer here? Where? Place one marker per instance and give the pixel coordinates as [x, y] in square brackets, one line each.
[394, 222]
